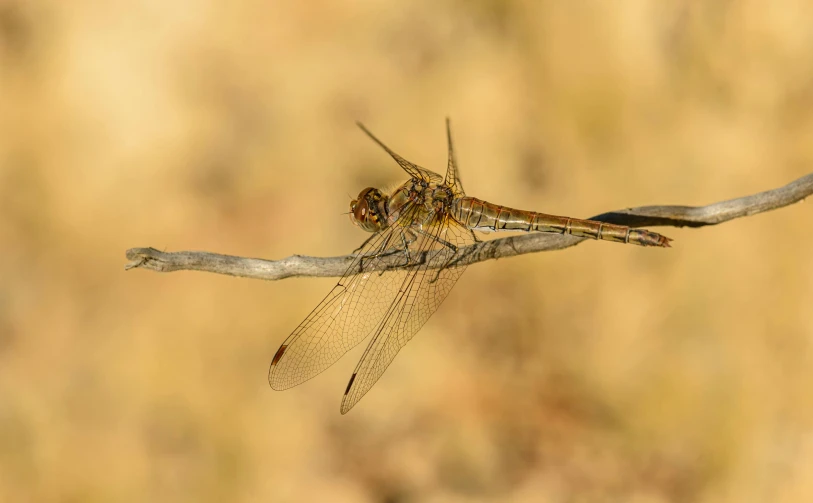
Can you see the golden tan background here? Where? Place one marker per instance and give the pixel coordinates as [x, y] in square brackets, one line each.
[600, 373]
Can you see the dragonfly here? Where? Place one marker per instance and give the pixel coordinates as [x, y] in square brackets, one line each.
[425, 227]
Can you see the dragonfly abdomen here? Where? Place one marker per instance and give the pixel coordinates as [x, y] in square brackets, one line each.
[480, 215]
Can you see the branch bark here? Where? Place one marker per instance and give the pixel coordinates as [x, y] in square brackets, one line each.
[644, 216]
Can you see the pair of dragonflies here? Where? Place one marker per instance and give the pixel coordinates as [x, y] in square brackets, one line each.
[424, 227]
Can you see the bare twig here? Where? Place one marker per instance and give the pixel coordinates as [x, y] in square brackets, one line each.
[644, 216]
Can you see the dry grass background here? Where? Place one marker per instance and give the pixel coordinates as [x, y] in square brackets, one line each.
[600, 373]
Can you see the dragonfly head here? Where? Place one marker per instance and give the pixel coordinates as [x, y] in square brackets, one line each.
[369, 211]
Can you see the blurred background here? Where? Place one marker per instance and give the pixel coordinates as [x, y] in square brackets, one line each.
[598, 373]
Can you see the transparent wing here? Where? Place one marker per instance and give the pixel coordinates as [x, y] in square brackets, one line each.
[420, 292]
[452, 175]
[347, 315]
[413, 169]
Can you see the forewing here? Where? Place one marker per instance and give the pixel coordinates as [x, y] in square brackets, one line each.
[418, 296]
[345, 317]
[411, 168]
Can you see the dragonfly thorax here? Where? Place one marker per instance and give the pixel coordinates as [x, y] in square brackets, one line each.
[369, 211]
[442, 198]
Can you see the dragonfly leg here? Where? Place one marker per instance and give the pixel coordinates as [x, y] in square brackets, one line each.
[380, 253]
[451, 260]
[439, 240]
[407, 238]
[448, 245]
[455, 257]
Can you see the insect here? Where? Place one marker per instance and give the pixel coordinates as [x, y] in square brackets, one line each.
[424, 226]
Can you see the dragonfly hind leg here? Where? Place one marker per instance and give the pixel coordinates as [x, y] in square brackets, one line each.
[438, 240]
[455, 257]
[448, 245]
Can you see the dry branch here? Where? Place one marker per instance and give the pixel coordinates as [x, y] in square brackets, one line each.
[644, 216]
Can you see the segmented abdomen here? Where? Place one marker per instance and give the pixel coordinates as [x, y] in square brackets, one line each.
[477, 214]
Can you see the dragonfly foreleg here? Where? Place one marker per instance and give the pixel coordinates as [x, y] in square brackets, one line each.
[407, 238]
[380, 253]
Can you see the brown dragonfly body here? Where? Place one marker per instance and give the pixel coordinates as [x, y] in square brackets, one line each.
[427, 214]
[480, 215]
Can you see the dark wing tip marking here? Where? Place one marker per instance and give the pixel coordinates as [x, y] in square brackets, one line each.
[279, 354]
[273, 380]
[346, 406]
[350, 384]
